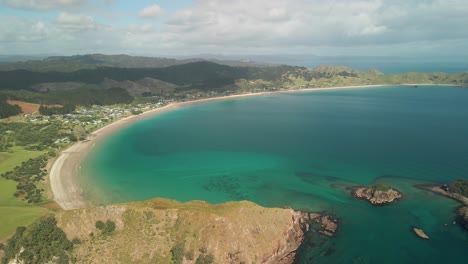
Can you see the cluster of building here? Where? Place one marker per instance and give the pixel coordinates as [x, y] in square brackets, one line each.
[94, 116]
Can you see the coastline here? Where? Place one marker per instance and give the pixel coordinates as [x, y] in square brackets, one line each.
[434, 188]
[65, 172]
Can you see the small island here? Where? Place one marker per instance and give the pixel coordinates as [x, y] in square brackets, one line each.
[377, 194]
[420, 233]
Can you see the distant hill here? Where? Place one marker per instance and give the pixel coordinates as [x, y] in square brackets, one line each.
[93, 61]
[201, 75]
[191, 80]
[4, 59]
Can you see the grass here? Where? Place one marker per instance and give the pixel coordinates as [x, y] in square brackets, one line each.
[152, 228]
[14, 216]
[9, 160]
[13, 211]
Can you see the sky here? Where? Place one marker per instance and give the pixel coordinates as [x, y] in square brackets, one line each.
[229, 27]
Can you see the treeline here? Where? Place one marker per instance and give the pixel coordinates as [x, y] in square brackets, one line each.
[6, 109]
[28, 174]
[69, 99]
[42, 242]
[186, 74]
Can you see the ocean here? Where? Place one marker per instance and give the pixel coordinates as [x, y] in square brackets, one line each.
[302, 150]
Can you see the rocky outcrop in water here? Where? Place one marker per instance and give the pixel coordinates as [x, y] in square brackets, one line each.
[377, 194]
[420, 233]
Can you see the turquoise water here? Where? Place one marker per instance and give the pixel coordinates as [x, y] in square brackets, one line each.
[300, 150]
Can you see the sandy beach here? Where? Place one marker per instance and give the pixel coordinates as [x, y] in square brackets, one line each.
[65, 172]
[64, 181]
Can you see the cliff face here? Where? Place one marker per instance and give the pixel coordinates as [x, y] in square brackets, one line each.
[377, 197]
[160, 231]
[463, 212]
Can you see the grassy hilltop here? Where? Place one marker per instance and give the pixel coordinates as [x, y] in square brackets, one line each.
[164, 231]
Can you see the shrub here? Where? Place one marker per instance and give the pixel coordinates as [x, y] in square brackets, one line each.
[381, 187]
[110, 227]
[106, 228]
[190, 255]
[100, 225]
[76, 241]
[205, 259]
[177, 252]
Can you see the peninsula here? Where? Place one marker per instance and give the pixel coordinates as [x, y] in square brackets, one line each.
[456, 190]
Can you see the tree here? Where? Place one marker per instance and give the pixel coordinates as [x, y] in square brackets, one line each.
[177, 252]
[100, 225]
[110, 227]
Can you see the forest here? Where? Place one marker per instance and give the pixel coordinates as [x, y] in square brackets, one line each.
[6, 109]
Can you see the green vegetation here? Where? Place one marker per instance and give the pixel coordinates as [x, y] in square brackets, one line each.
[28, 174]
[177, 252]
[31, 136]
[7, 110]
[136, 112]
[459, 186]
[13, 211]
[204, 258]
[40, 243]
[83, 96]
[381, 187]
[100, 225]
[106, 228]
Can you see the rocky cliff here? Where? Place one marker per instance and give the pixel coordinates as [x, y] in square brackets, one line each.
[463, 212]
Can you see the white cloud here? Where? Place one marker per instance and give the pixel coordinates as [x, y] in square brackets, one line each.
[15, 30]
[75, 22]
[150, 12]
[42, 5]
[285, 24]
[388, 27]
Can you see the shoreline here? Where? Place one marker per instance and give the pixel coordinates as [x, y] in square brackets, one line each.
[435, 189]
[65, 172]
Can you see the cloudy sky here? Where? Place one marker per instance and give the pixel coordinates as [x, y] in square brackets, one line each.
[188, 27]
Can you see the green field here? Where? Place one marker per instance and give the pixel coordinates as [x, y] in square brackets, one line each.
[13, 211]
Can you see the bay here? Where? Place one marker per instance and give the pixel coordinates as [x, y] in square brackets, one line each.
[301, 150]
